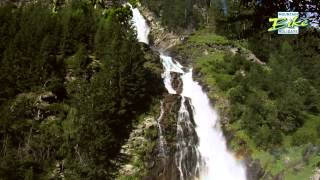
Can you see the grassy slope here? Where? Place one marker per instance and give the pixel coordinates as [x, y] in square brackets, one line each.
[206, 50]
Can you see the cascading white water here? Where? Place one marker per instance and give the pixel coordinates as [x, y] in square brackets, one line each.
[220, 164]
[162, 141]
[187, 158]
[169, 66]
[141, 25]
[215, 161]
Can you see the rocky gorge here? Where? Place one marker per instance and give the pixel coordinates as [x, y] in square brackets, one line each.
[160, 38]
[164, 165]
[163, 141]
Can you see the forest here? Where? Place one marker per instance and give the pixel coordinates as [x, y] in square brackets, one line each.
[269, 101]
[274, 103]
[73, 80]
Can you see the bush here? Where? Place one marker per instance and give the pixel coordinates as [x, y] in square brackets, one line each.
[303, 137]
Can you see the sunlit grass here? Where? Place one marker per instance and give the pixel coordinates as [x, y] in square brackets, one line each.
[205, 37]
[286, 158]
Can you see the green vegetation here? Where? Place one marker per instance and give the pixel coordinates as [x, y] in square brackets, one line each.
[295, 162]
[74, 81]
[72, 84]
[141, 144]
[273, 106]
[205, 37]
[176, 15]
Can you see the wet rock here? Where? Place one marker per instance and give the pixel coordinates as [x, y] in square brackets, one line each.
[190, 110]
[165, 167]
[172, 104]
[254, 169]
[164, 170]
[153, 58]
[159, 36]
[177, 83]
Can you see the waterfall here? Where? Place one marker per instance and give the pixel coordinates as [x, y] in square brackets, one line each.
[169, 66]
[205, 156]
[220, 164]
[141, 25]
[188, 158]
[225, 7]
[162, 141]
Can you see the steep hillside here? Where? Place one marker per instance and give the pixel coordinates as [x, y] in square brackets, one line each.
[73, 83]
[265, 85]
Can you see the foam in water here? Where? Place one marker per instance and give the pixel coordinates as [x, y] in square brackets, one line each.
[220, 164]
[169, 66]
[140, 24]
[215, 162]
[187, 157]
[162, 141]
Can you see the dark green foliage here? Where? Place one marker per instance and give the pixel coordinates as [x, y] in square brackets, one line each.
[72, 82]
[271, 100]
[274, 100]
[29, 61]
[177, 15]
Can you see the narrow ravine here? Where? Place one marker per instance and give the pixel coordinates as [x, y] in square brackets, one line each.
[206, 156]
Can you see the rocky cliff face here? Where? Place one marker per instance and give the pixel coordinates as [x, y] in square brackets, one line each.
[316, 175]
[157, 161]
[165, 166]
[143, 154]
[159, 36]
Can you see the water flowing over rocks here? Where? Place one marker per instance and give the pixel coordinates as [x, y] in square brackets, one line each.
[165, 167]
[159, 36]
[194, 145]
[255, 169]
[176, 82]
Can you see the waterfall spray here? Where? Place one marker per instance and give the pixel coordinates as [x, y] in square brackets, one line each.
[205, 157]
[224, 7]
[162, 141]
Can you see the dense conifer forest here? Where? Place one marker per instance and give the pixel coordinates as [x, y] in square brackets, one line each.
[72, 83]
[274, 106]
[74, 79]
[272, 100]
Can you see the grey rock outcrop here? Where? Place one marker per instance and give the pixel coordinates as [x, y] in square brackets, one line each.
[159, 36]
[316, 175]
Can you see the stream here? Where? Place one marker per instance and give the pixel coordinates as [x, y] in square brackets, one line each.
[206, 156]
